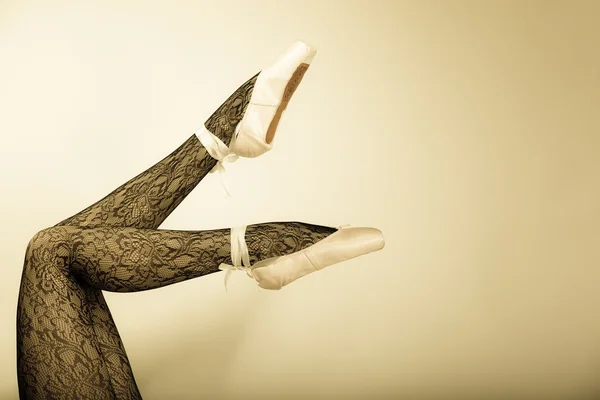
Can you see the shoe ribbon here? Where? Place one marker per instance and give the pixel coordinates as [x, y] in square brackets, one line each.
[219, 151]
[239, 254]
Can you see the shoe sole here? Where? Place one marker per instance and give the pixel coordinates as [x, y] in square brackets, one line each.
[288, 92]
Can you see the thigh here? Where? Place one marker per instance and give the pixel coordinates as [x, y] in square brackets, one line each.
[58, 355]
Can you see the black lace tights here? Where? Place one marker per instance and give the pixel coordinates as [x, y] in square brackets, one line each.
[68, 346]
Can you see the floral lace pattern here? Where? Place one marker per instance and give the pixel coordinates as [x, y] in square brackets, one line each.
[68, 346]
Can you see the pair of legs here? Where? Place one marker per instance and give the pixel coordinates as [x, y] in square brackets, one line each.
[68, 346]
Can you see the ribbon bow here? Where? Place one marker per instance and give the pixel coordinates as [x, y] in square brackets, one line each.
[239, 254]
[219, 151]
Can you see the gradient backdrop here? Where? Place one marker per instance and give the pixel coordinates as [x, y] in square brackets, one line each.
[468, 132]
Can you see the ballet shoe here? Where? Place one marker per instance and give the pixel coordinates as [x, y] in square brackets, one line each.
[272, 91]
[276, 272]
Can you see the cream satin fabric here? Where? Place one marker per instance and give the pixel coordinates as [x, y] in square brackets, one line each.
[266, 98]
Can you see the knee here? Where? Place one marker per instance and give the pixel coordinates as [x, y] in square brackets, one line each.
[41, 240]
[50, 246]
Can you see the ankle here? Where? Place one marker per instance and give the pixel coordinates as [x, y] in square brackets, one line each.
[223, 121]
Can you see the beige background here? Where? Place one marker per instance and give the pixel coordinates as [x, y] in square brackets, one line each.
[468, 132]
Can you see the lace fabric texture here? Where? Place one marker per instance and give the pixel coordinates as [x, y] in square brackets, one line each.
[68, 346]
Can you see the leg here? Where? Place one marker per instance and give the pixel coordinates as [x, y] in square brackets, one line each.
[131, 260]
[145, 202]
[59, 355]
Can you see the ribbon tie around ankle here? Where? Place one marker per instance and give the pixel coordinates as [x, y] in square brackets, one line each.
[239, 254]
[219, 151]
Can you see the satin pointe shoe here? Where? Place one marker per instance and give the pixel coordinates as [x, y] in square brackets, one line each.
[270, 96]
[272, 92]
[276, 272]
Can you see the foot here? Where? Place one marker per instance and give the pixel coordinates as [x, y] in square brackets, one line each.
[276, 272]
[246, 124]
[272, 92]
